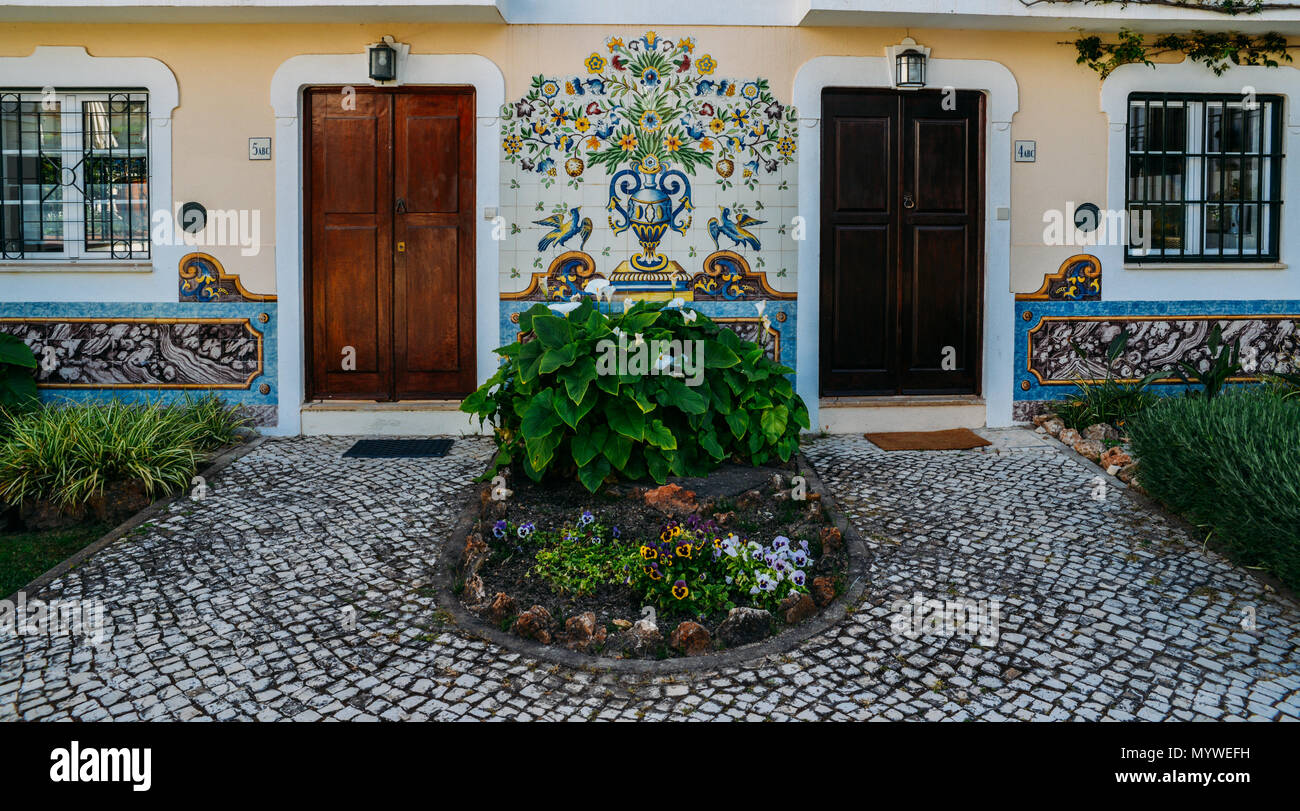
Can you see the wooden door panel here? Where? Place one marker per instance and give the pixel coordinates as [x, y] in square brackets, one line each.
[432, 332]
[433, 340]
[940, 312]
[859, 313]
[940, 276]
[864, 318]
[862, 150]
[349, 262]
[428, 162]
[939, 171]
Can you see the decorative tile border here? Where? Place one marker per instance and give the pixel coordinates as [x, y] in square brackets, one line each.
[151, 351]
[1163, 333]
[203, 279]
[740, 317]
[1078, 279]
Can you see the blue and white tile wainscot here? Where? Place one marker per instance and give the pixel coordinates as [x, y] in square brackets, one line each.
[238, 360]
[1162, 333]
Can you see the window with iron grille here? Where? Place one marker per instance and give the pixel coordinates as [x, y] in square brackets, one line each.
[1204, 177]
[74, 175]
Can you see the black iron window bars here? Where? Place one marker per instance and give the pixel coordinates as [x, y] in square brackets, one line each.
[1204, 177]
[74, 175]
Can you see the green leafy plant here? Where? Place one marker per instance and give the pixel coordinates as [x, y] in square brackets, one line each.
[1225, 363]
[580, 559]
[1230, 464]
[218, 423]
[68, 453]
[1110, 401]
[17, 373]
[1216, 50]
[557, 411]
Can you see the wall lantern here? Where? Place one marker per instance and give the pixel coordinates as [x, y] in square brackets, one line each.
[383, 62]
[909, 64]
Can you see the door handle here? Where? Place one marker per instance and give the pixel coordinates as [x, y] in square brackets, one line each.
[401, 205]
[908, 202]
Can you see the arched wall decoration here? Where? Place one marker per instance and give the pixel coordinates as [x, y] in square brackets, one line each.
[204, 279]
[1078, 279]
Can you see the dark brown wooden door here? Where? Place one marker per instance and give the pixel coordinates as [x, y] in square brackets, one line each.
[390, 243]
[901, 224]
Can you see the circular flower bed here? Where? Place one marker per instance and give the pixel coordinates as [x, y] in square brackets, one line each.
[634, 572]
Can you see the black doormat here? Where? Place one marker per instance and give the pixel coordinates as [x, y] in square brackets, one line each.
[398, 448]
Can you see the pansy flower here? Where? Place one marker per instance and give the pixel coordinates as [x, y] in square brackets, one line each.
[499, 529]
[649, 552]
[680, 591]
[798, 577]
[526, 530]
[684, 549]
[652, 571]
[586, 518]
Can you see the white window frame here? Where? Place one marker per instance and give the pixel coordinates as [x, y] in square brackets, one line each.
[71, 67]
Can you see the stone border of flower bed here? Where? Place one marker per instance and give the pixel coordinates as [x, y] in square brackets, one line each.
[214, 466]
[832, 614]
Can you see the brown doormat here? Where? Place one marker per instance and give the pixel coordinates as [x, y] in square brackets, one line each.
[957, 439]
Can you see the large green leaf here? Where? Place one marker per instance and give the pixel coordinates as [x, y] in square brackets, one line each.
[618, 449]
[659, 435]
[573, 413]
[552, 331]
[577, 378]
[691, 399]
[540, 417]
[593, 474]
[719, 356]
[553, 359]
[626, 418]
[709, 442]
[14, 352]
[773, 422]
[586, 445]
[530, 359]
[738, 422]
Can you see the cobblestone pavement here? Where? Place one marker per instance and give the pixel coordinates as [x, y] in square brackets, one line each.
[236, 607]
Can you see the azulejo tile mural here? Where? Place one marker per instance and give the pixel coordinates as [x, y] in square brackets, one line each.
[649, 167]
[1163, 333]
[158, 351]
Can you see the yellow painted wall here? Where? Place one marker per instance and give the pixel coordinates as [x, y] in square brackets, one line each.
[224, 73]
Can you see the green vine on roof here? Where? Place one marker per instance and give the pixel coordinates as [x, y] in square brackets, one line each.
[1217, 50]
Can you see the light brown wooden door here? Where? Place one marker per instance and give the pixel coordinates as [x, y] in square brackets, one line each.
[390, 243]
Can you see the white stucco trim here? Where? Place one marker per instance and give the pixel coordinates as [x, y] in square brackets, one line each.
[1206, 280]
[1003, 93]
[287, 85]
[68, 68]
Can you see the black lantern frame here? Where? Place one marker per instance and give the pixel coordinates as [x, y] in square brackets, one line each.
[910, 69]
[383, 62]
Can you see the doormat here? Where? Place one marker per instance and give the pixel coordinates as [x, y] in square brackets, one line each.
[398, 448]
[957, 439]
